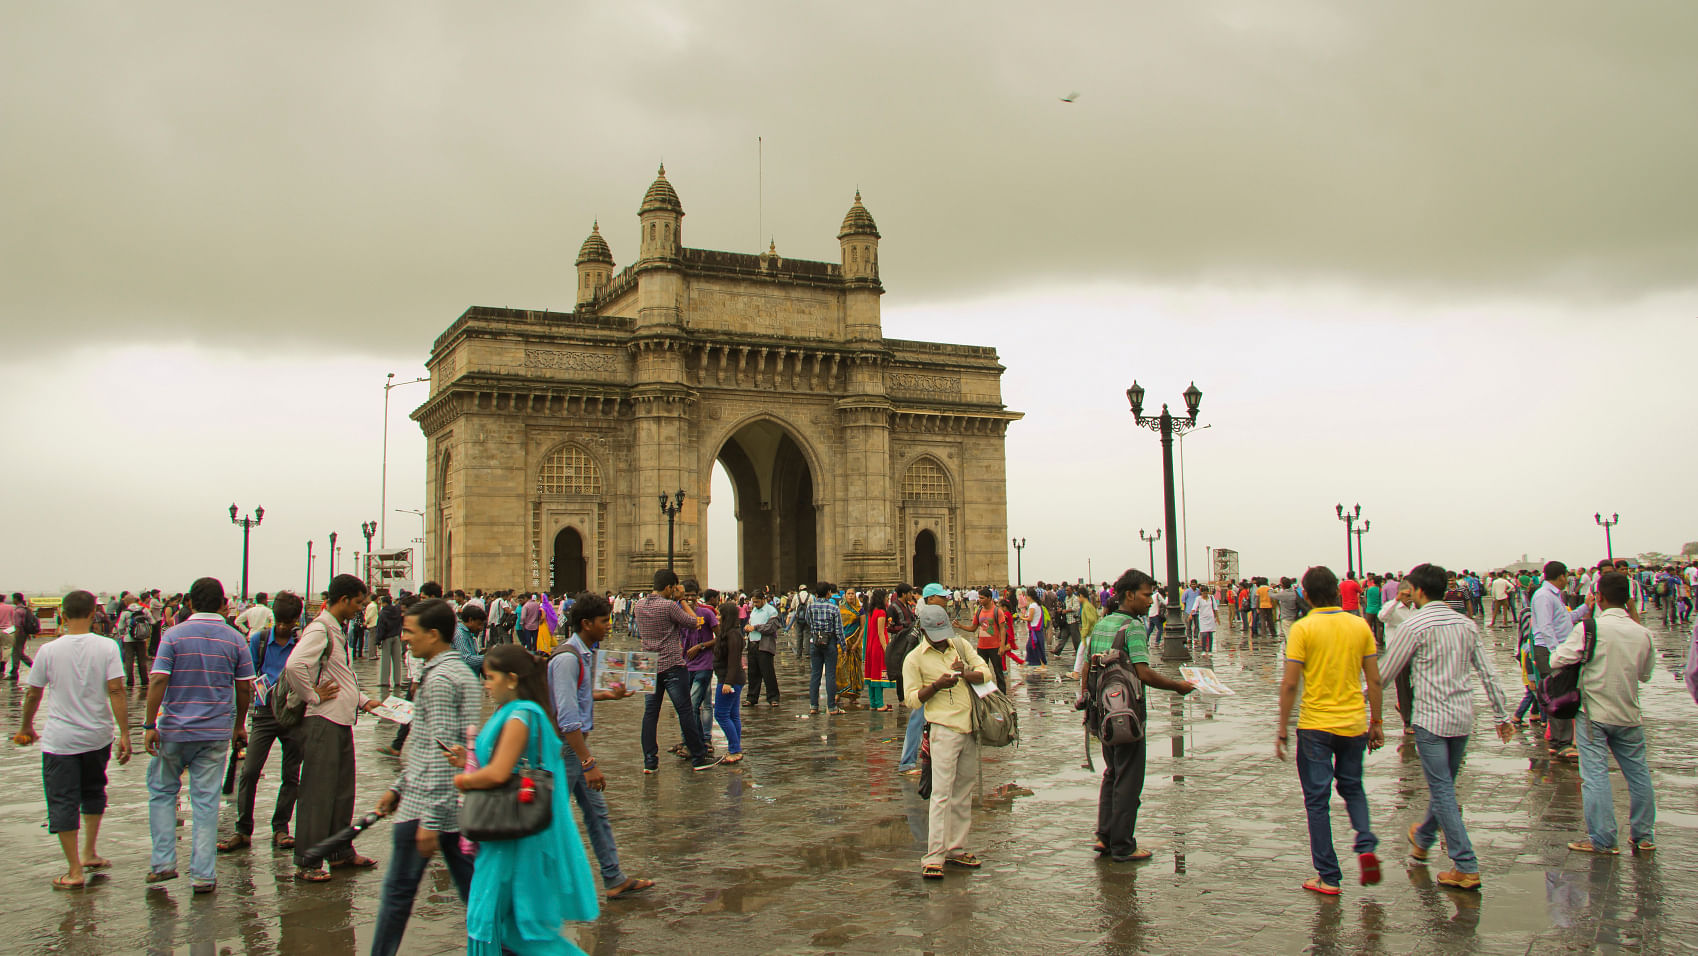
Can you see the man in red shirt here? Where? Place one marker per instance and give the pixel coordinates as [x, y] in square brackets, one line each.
[1350, 594]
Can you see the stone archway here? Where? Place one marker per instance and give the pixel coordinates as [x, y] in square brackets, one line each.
[569, 567]
[777, 522]
[925, 562]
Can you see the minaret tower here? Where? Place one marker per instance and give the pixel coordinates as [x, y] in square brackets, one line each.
[595, 265]
[859, 241]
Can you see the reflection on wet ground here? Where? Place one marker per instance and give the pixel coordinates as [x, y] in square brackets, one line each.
[812, 844]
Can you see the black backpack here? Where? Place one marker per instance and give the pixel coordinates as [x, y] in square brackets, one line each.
[140, 628]
[1560, 689]
[898, 650]
[1113, 690]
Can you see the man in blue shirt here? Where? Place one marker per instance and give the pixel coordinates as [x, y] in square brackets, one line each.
[1553, 622]
[571, 684]
[269, 647]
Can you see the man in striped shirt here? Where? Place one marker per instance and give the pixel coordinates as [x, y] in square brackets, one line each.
[1443, 645]
[660, 621]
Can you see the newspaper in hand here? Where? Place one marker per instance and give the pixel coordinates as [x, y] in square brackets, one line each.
[1206, 681]
[397, 709]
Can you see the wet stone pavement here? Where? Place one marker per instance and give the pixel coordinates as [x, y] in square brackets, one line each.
[812, 844]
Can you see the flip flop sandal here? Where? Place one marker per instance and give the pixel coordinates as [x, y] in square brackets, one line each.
[97, 865]
[60, 883]
[1639, 846]
[1586, 846]
[631, 887]
[282, 841]
[312, 876]
[1370, 868]
[932, 871]
[734, 758]
[356, 861]
[1315, 885]
[1138, 856]
[160, 876]
[965, 860]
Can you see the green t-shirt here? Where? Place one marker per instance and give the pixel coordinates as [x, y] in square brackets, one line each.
[1371, 599]
[1137, 637]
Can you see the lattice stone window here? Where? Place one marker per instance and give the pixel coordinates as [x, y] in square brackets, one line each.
[925, 481]
[569, 471]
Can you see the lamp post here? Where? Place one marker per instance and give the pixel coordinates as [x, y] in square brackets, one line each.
[383, 498]
[1607, 524]
[368, 529]
[1019, 571]
[1349, 518]
[1151, 540]
[670, 508]
[332, 554]
[247, 525]
[1184, 517]
[1173, 647]
[307, 595]
[420, 540]
[1361, 562]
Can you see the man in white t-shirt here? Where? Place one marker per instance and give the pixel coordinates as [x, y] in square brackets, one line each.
[257, 617]
[1501, 604]
[82, 676]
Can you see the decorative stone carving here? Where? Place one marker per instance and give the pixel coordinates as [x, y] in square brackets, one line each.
[922, 385]
[572, 361]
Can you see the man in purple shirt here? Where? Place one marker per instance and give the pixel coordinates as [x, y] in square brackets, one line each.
[660, 622]
[197, 703]
[698, 645]
[530, 621]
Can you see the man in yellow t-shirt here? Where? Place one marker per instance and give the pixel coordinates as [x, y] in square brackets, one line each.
[1333, 654]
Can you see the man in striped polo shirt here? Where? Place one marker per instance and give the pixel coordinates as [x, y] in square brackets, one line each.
[197, 703]
[1443, 645]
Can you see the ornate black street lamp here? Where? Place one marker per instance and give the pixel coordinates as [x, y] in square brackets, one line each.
[247, 525]
[1607, 524]
[1151, 539]
[1019, 572]
[1361, 562]
[1173, 646]
[332, 555]
[1349, 518]
[670, 509]
[369, 529]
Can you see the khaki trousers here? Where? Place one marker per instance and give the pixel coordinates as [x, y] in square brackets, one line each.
[955, 765]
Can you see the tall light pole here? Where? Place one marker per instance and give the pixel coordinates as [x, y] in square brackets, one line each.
[1361, 562]
[420, 540]
[383, 499]
[1173, 646]
[247, 525]
[1151, 539]
[1607, 524]
[307, 595]
[332, 554]
[670, 509]
[1349, 518]
[368, 528]
[1019, 571]
[1184, 519]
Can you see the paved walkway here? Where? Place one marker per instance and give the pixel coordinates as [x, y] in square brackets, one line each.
[812, 844]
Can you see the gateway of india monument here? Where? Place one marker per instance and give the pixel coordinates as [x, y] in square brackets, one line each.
[552, 438]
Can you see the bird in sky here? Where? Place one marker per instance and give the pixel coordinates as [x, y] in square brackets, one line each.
[1069, 97]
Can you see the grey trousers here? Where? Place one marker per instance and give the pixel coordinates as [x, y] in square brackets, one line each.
[325, 803]
[391, 668]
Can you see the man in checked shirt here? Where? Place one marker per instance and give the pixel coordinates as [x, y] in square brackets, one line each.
[423, 800]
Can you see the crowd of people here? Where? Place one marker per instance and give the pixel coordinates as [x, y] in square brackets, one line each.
[226, 686]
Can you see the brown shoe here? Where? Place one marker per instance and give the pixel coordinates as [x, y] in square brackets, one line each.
[1417, 852]
[1456, 879]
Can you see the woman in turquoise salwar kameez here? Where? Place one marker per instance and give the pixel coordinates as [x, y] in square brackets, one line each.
[524, 890]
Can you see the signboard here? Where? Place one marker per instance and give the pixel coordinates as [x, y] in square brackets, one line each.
[388, 567]
[1224, 561]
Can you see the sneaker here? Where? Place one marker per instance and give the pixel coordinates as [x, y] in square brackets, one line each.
[1417, 852]
[706, 763]
[1370, 868]
[1456, 879]
[648, 769]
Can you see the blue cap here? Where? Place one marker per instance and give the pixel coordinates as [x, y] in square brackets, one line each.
[933, 590]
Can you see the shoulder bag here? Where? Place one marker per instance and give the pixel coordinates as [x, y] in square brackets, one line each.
[1560, 689]
[287, 707]
[521, 807]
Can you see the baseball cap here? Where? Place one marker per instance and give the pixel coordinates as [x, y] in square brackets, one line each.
[934, 621]
[933, 590]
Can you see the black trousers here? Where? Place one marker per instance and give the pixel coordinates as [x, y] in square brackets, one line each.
[762, 671]
[1405, 696]
[325, 801]
[264, 732]
[1118, 801]
[1561, 731]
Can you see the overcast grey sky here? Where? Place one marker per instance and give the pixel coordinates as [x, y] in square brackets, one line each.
[1439, 258]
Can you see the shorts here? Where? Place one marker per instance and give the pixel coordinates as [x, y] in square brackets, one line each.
[74, 783]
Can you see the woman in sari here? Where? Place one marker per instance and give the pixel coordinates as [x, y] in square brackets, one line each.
[878, 637]
[524, 889]
[849, 653]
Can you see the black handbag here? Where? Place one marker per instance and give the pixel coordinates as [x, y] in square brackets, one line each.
[521, 807]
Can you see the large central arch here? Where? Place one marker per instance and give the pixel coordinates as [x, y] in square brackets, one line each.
[777, 522]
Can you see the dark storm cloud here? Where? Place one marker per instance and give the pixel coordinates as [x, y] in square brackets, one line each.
[366, 171]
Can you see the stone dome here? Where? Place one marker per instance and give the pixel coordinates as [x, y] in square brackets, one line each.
[661, 196]
[858, 222]
[595, 248]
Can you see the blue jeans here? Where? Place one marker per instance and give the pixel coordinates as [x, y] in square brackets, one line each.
[1323, 758]
[911, 739]
[701, 702]
[401, 883]
[1596, 742]
[674, 683]
[824, 662]
[204, 760]
[728, 712]
[593, 805]
[1441, 760]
